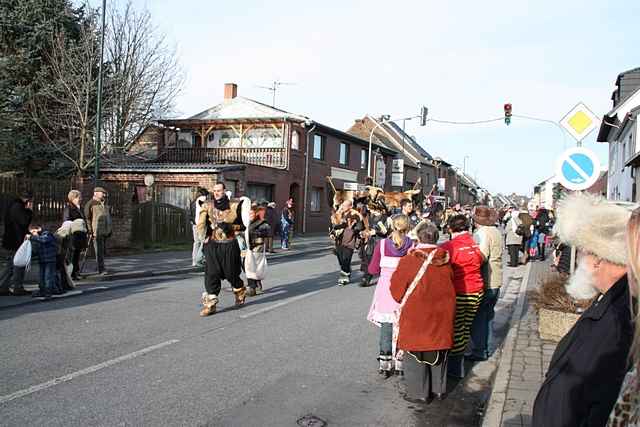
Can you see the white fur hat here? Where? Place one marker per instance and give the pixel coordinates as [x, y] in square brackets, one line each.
[595, 225]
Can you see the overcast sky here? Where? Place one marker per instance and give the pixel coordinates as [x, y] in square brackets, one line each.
[461, 59]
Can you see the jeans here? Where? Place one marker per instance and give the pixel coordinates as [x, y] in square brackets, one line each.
[48, 278]
[344, 255]
[99, 244]
[514, 252]
[197, 254]
[386, 338]
[12, 275]
[286, 229]
[481, 327]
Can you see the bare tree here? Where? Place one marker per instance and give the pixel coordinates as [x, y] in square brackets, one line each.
[64, 110]
[144, 76]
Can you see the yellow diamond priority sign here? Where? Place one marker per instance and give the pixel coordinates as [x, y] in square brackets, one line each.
[579, 122]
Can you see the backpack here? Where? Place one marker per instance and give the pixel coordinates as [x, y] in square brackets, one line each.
[521, 230]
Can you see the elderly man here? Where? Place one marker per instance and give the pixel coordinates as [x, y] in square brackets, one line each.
[98, 218]
[590, 362]
[489, 238]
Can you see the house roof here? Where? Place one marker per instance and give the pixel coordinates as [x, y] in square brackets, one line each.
[612, 119]
[386, 135]
[412, 141]
[244, 108]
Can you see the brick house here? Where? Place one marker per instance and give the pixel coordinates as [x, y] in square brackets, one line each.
[418, 163]
[257, 150]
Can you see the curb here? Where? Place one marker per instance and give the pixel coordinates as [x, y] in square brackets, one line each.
[497, 400]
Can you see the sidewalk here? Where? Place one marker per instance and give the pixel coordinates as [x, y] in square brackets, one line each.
[524, 362]
[151, 264]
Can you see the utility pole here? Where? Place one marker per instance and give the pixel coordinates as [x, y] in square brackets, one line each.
[99, 106]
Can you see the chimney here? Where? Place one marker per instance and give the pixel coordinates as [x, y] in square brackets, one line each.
[230, 91]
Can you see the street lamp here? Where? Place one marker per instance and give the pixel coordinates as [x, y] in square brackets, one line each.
[99, 106]
[387, 119]
[464, 166]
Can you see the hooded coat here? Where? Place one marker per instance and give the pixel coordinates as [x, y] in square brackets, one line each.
[16, 225]
[426, 323]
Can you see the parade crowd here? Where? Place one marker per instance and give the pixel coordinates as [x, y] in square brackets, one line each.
[438, 275]
[435, 298]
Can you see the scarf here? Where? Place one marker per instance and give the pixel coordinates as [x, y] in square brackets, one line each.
[222, 204]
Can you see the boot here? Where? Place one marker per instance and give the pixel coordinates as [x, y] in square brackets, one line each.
[251, 292]
[343, 279]
[366, 281]
[209, 302]
[386, 365]
[398, 370]
[259, 290]
[241, 295]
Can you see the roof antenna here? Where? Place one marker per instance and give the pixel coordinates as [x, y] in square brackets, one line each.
[274, 88]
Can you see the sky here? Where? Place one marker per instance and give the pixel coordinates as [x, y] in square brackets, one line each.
[463, 60]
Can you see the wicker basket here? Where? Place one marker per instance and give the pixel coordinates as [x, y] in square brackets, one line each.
[554, 324]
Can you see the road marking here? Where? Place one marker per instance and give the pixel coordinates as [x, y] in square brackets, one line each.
[86, 371]
[280, 304]
[577, 168]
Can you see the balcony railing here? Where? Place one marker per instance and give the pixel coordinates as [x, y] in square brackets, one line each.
[269, 157]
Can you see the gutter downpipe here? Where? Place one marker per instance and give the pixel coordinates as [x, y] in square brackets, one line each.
[306, 177]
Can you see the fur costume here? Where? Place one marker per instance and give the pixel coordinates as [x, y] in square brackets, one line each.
[595, 225]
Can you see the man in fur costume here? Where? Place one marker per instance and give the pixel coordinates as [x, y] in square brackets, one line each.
[590, 362]
[219, 221]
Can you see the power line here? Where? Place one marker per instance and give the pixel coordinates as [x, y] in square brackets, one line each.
[477, 122]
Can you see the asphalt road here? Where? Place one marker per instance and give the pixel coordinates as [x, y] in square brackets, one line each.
[139, 354]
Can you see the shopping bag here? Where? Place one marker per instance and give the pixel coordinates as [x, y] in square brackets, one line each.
[255, 264]
[22, 258]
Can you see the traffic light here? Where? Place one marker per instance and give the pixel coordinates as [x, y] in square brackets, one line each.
[507, 114]
[423, 116]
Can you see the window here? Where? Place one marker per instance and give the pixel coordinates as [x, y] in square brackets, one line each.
[318, 147]
[175, 196]
[363, 158]
[344, 153]
[260, 192]
[316, 199]
[295, 140]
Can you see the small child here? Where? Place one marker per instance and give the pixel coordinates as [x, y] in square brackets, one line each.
[47, 258]
[533, 245]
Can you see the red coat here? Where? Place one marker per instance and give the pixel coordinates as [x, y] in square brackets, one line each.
[426, 323]
[466, 260]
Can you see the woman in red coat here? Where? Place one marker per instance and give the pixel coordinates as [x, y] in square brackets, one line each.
[466, 261]
[426, 318]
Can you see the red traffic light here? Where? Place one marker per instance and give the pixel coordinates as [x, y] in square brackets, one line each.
[507, 110]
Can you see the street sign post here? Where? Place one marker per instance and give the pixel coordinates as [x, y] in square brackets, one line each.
[578, 169]
[579, 122]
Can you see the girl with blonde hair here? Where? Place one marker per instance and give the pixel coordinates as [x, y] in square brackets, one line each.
[386, 256]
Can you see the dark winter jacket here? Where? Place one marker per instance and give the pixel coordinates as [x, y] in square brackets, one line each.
[589, 364]
[258, 230]
[272, 219]
[47, 247]
[16, 224]
[71, 213]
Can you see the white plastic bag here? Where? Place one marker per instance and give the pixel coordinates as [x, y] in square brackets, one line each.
[22, 258]
[255, 265]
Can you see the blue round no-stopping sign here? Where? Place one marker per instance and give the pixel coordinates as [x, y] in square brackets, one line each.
[578, 169]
